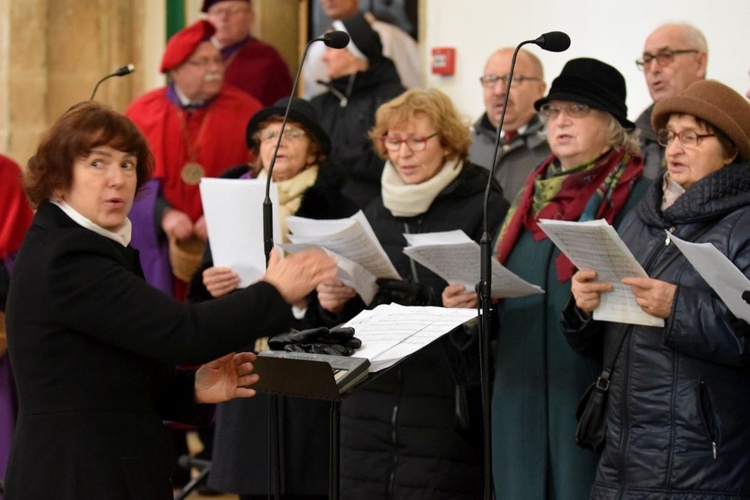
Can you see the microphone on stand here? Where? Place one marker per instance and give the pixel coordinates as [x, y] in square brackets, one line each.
[335, 40]
[125, 70]
[554, 41]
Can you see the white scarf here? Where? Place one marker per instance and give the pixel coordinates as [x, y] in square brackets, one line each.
[291, 192]
[121, 235]
[409, 200]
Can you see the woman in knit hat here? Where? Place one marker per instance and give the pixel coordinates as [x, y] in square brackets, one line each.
[677, 416]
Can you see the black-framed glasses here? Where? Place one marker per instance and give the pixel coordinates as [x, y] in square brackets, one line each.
[550, 111]
[489, 81]
[663, 57]
[416, 144]
[688, 138]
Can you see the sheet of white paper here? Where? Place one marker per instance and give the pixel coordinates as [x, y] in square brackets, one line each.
[438, 238]
[350, 273]
[460, 263]
[391, 332]
[719, 272]
[596, 245]
[234, 217]
[351, 238]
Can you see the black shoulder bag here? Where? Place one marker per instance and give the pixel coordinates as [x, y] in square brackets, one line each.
[592, 408]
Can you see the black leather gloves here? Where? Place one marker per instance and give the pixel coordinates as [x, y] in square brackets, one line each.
[338, 341]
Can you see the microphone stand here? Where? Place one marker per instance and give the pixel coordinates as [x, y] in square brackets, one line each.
[273, 400]
[125, 70]
[484, 287]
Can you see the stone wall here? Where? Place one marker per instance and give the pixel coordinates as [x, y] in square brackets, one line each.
[53, 52]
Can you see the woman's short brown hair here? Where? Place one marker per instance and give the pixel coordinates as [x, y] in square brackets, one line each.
[437, 107]
[82, 128]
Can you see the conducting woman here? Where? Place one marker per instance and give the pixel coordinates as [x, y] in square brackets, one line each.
[93, 346]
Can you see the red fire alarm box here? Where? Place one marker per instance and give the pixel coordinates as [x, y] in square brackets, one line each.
[443, 60]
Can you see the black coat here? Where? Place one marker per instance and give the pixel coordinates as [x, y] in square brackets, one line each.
[93, 348]
[347, 113]
[404, 434]
[240, 457]
[678, 409]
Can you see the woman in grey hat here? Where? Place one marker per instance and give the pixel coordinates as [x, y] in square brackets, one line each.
[309, 185]
[677, 415]
[593, 173]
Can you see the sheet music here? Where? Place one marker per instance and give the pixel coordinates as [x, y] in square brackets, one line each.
[719, 272]
[349, 272]
[596, 245]
[234, 217]
[352, 238]
[391, 332]
[456, 258]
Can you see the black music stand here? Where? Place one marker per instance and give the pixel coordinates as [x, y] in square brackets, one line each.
[303, 375]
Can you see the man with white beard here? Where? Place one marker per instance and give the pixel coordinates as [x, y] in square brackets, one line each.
[195, 127]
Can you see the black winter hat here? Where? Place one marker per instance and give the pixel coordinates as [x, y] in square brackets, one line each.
[301, 111]
[592, 82]
[366, 41]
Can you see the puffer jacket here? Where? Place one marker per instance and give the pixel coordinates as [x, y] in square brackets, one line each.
[409, 432]
[678, 421]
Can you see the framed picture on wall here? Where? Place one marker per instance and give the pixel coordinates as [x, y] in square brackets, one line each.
[402, 13]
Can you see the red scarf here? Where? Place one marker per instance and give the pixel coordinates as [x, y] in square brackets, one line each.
[601, 190]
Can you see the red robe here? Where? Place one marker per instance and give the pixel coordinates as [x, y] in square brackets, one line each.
[217, 136]
[15, 211]
[216, 131]
[258, 69]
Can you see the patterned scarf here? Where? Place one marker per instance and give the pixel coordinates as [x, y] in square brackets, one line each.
[595, 190]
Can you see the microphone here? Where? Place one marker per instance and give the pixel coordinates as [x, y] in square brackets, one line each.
[554, 41]
[335, 40]
[125, 70]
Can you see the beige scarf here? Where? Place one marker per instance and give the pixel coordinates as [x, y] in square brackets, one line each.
[409, 200]
[290, 194]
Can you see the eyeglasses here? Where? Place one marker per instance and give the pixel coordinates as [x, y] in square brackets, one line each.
[663, 57]
[205, 61]
[687, 138]
[551, 111]
[290, 133]
[489, 81]
[220, 11]
[416, 144]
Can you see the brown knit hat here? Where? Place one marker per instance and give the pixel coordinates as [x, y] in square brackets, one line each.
[714, 103]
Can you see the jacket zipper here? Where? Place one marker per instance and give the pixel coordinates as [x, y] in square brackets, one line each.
[706, 414]
[658, 249]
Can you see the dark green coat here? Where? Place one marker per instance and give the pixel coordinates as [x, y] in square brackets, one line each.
[537, 384]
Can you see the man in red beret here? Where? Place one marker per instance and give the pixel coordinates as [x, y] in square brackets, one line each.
[195, 127]
[249, 64]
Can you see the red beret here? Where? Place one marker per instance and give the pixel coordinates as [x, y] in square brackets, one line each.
[207, 4]
[184, 42]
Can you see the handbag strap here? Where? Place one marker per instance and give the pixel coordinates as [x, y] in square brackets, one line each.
[603, 381]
